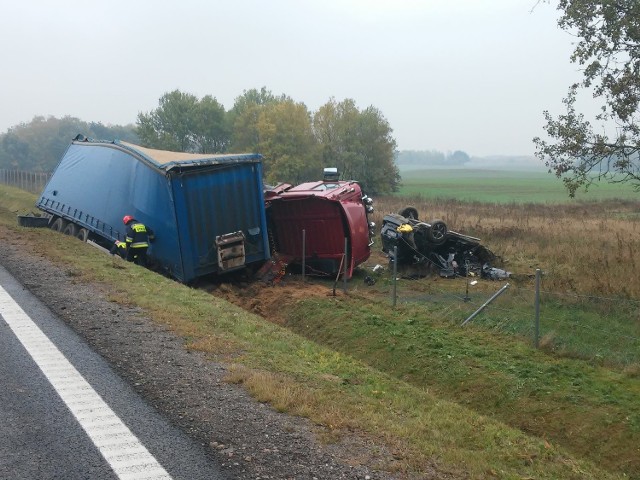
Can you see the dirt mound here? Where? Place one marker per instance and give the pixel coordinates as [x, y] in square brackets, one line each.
[269, 299]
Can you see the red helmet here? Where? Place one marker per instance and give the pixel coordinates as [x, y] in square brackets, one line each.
[126, 219]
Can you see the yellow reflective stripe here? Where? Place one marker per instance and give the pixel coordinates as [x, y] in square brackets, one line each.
[139, 245]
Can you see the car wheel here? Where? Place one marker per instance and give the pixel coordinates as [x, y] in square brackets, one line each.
[437, 232]
[409, 212]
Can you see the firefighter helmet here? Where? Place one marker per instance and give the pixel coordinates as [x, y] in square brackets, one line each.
[126, 219]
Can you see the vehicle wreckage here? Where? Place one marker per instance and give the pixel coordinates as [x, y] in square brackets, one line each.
[323, 225]
[434, 246]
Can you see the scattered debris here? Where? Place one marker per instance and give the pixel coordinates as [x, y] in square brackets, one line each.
[434, 245]
[274, 270]
[493, 273]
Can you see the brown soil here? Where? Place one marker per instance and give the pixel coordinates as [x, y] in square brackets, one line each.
[271, 300]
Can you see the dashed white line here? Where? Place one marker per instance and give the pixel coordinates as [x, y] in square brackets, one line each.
[122, 450]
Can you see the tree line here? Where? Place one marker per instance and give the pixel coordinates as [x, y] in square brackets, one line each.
[296, 143]
[38, 146]
[432, 158]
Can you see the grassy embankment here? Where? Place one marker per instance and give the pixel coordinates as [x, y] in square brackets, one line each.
[459, 399]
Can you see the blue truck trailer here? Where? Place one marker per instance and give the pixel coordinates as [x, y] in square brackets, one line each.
[207, 210]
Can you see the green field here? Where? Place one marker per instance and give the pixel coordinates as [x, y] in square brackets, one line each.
[502, 186]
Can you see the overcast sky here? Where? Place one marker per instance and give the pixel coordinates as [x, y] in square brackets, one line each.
[447, 74]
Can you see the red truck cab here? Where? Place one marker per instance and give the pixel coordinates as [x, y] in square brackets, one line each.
[328, 215]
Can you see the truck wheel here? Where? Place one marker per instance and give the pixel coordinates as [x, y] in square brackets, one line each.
[70, 230]
[59, 225]
[82, 235]
[437, 232]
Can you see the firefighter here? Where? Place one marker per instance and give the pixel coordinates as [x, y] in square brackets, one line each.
[137, 240]
[119, 248]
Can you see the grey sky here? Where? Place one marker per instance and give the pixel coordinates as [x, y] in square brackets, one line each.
[447, 74]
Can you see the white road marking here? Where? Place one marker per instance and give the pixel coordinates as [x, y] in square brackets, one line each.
[128, 458]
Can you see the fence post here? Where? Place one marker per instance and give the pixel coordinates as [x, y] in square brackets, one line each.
[467, 298]
[536, 326]
[395, 273]
[304, 252]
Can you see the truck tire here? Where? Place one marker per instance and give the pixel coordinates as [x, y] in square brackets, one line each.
[83, 235]
[437, 232]
[59, 225]
[70, 229]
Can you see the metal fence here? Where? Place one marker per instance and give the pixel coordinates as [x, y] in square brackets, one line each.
[31, 181]
[602, 329]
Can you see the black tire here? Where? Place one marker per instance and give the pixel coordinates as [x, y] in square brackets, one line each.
[410, 213]
[59, 225]
[437, 232]
[82, 235]
[71, 229]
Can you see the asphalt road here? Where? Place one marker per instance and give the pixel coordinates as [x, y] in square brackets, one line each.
[52, 424]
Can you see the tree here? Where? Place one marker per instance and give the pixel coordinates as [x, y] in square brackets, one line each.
[358, 143]
[184, 123]
[608, 50]
[458, 158]
[378, 172]
[287, 143]
[210, 129]
[334, 125]
[243, 118]
[278, 128]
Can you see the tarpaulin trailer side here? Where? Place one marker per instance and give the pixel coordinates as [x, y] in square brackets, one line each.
[207, 210]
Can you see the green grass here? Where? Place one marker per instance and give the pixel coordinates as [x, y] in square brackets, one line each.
[599, 330]
[467, 402]
[502, 186]
[592, 411]
[17, 202]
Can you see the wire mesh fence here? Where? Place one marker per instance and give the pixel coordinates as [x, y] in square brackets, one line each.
[603, 330]
[31, 181]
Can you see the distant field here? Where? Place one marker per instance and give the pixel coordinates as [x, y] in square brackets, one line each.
[502, 186]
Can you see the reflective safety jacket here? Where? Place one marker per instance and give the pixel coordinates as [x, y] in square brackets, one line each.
[137, 235]
[119, 248]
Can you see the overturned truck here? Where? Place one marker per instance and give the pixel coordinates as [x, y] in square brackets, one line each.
[409, 241]
[207, 211]
[323, 225]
